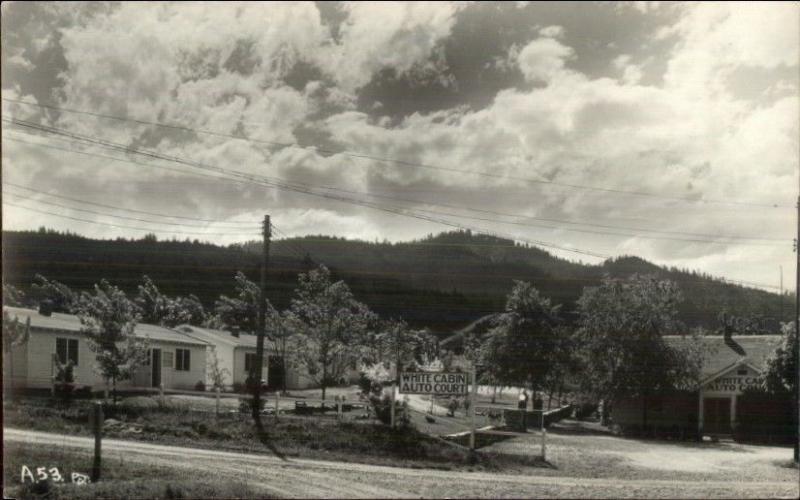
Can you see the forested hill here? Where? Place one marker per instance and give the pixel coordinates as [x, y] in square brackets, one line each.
[444, 281]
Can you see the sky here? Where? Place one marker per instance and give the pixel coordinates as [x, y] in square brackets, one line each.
[663, 130]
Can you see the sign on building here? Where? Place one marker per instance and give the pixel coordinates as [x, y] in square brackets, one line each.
[440, 384]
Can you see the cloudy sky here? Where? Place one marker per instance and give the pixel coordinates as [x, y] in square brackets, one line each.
[668, 131]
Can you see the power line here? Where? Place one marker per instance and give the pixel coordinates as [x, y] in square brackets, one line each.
[19, 186]
[118, 225]
[105, 214]
[363, 156]
[290, 186]
[715, 239]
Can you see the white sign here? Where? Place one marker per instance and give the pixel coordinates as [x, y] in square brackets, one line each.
[433, 383]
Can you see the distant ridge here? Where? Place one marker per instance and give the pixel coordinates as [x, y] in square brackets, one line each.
[448, 281]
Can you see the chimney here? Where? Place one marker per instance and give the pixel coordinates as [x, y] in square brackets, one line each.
[728, 328]
[46, 307]
[235, 331]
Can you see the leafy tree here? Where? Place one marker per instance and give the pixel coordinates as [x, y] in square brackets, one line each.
[61, 298]
[281, 326]
[153, 305]
[242, 310]
[13, 296]
[781, 374]
[331, 327]
[621, 329]
[159, 309]
[185, 310]
[521, 346]
[14, 334]
[216, 372]
[108, 319]
[394, 343]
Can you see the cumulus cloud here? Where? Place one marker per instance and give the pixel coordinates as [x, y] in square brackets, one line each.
[543, 59]
[232, 70]
[405, 36]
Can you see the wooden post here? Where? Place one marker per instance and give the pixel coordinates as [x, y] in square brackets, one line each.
[53, 375]
[277, 403]
[544, 438]
[217, 390]
[392, 409]
[97, 421]
[472, 410]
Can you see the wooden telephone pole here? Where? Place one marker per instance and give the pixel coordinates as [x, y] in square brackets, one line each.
[797, 335]
[262, 326]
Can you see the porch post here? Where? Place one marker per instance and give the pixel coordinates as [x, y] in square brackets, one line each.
[733, 412]
[700, 414]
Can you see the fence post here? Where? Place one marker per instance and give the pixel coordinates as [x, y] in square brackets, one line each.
[392, 409]
[161, 393]
[97, 421]
[217, 390]
[277, 403]
[473, 391]
[544, 438]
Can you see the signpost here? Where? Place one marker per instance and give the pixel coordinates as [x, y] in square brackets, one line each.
[439, 384]
[443, 384]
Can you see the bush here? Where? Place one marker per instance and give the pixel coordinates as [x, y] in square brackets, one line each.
[364, 383]
[382, 406]
[200, 386]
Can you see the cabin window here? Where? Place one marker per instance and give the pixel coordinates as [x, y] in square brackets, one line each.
[67, 350]
[182, 360]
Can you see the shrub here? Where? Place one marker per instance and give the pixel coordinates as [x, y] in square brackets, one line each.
[200, 386]
[382, 406]
[364, 383]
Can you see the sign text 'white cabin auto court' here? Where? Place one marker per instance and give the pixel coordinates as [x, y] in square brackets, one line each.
[433, 383]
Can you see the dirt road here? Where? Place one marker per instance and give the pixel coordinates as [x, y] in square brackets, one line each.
[314, 478]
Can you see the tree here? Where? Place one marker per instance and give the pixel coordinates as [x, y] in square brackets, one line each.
[159, 309]
[394, 343]
[108, 320]
[281, 327]
[216, 372]
[520, 347]
[14, 334]
[331, 325]
[185, 310]
[13, 296]
[153, 305]
[242, 310]
[59, 295]
[624, 354]
[781, 373]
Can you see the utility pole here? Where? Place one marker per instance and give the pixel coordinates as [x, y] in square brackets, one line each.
[797, 335]
[780, 318]
[262, 326]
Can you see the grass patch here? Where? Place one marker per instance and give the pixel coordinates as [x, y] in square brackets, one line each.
[320, 437]
[120, 478]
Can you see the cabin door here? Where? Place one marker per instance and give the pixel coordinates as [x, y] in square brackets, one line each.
[155, 362]
[717, 417]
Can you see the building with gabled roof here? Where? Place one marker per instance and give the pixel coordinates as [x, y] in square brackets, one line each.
[236, 353]
[731, 367]
[175, 360]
